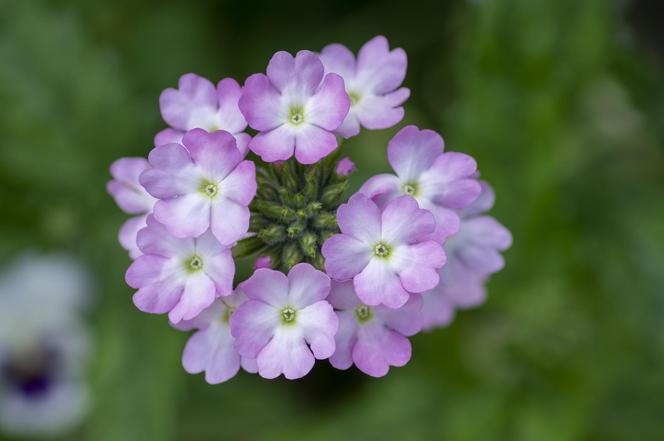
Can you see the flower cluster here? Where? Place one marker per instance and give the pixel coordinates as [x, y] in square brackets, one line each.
[258, 170]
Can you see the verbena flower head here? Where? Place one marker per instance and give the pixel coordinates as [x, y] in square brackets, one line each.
[440, 182]
[286, 323]
[385, 252]
[132, 198]
[372, 337]
[179, 276]
[473, 255]
[197, 104]
[295, 108]
[202, 184]
[372, 83]
[212, 347]
[284, 206]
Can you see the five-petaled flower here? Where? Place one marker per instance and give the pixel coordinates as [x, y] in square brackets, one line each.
[386, 253]
[286, 322]
[372, 337]
[203, 183]
[179, 276]
[441, 182]
[197, 104]
[295, 107]
[372, 83]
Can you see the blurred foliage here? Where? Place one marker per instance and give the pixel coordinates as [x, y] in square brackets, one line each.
[559, 102]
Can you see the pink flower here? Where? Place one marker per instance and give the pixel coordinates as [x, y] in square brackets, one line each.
[286, 323]
[372, 337]
[386, 253]
[372, 83]
[211, 349]
[295, 108]
[440, 182]
[197, 104]
[132, 198]
[204, 183]
[179, 276]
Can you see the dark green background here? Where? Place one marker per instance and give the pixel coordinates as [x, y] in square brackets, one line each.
[560, 101]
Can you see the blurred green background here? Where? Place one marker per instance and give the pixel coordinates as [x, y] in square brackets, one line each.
[560, 101]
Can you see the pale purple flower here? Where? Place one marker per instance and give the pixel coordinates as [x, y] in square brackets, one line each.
[132, 198]
[286, 323]
[211, 349]
[386, 253]
[204, 183]
[372, 83]
[263, 262]
[197, 104]
[372, 337]
[440, 182]
[295, 107]
[179, 276]
[473, 255]
[345, 167]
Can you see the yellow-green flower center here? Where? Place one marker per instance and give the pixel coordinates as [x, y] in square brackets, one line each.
[410, 188]
[296, 115]
[226, 315]
[288, 315]
[193, 263]
[363, 313]
[354, 97]
[381, 249]
[209, 188]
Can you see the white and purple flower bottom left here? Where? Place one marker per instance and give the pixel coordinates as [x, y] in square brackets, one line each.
[260, 169]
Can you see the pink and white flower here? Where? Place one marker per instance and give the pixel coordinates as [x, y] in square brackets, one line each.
[295, 107]
[386, 253]
[372, 337]
[211, 349]
[473, 255]
[132, 198]
[198, 104]
[179, 276]
[372, 83]
[441, 182]
[286, 324]
[202, 184]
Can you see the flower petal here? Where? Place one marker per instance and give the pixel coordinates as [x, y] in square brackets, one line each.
[328, 107]
[240, 184]
[344, 340]
[339, 59]
[212, 351]
[406, 320]
[155, 239]
[145, 270]
[128, 233]
[418, 264]
[168, 136]
[193, 93]
[307, 285]
[229, 220]
[413, 151]
[274, 145]
[361, 219]
[345, 256]
[214, 153]
[286, 353]
[385, 70]
[342, 295]
[125, 188]
[319, 324]
[378, 348]
[437, 309]
[253, 324]
[185, 216]
[268, 286]
[199, 293]
[261, 104]
[379, 284]
[313, 143]
[228, 95]
[404, 222]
